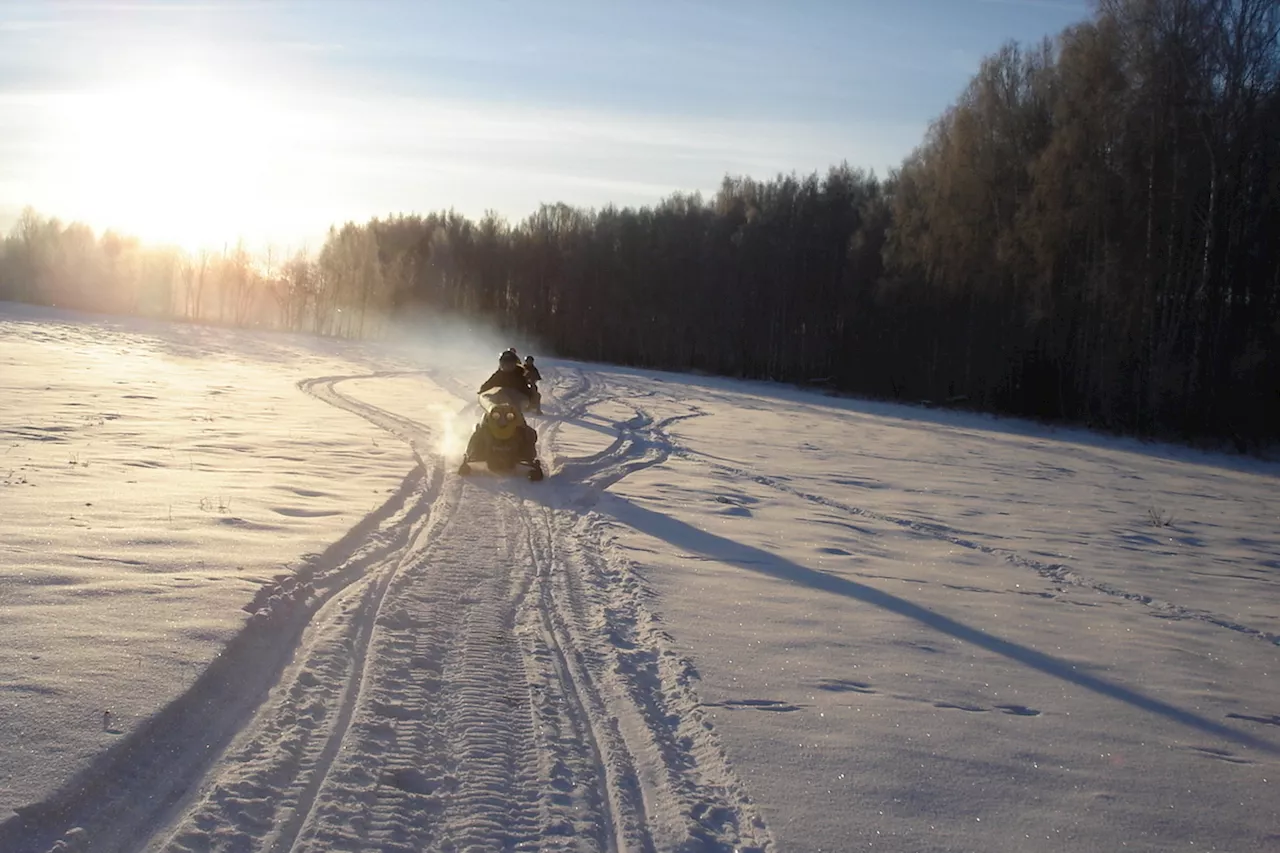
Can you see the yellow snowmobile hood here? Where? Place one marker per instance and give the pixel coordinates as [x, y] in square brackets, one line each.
[503, 417]
[502, 421]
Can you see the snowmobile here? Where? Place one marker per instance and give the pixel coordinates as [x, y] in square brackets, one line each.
[503, 439]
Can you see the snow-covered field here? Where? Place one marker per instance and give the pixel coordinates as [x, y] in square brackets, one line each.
[246, 604]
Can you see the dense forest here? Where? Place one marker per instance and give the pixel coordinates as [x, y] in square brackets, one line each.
[1091, 234]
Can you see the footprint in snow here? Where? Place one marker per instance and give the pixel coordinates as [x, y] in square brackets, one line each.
[295, 512]
[959, 587]
[736, 504]
[236, 521]
[953, 706]
[918, 646]
[1273, 720]
[1220, 754]
[306, 493]
[843, 685]
[1014, 710]
[757, 704]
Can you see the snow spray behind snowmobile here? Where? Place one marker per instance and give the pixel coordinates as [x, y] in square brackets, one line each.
[503, 439]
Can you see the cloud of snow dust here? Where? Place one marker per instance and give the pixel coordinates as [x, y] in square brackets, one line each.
[457, 343]
[457, 353]
[452, 430]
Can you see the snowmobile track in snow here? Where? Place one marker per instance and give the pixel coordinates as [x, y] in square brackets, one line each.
[467, 669]
[131, 788]
[391, 770]
[1057, 573]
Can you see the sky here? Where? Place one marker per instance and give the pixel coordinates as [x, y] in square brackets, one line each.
[198, 123]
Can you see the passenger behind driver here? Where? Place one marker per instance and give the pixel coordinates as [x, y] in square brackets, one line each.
[509, 375]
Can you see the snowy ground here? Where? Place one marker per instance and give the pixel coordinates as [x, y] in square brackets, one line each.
[735, 616]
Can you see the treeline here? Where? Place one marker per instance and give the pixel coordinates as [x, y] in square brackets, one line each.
[48, 262]
[1091, 234]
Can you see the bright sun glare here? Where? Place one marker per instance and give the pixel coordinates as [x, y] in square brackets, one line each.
[181, 157]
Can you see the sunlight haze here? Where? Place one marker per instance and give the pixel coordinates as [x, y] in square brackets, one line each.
[201, 123]
[590, 426]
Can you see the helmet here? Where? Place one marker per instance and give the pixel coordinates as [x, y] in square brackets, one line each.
[528, 359]
[508, 357]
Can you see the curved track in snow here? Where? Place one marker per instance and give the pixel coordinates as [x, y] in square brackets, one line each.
[470, 669]
[1059, 573]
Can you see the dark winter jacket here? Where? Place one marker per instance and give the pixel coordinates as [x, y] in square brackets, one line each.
[513, 379]
[531, 373]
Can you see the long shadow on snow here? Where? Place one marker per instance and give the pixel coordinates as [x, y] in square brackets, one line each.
[689, 538]
[132, 788]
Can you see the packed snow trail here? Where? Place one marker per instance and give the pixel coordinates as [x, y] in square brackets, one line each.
[454, 691]
[900, 629]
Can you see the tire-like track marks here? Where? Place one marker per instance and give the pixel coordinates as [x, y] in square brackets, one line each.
[1058, 573]
[574, 759]
[691, 796]
[115, 803]
[467, 669]
[271, 783]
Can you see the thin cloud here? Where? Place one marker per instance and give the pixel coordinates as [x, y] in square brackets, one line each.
[365, 109]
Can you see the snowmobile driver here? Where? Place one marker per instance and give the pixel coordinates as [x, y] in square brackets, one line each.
[510, 375]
